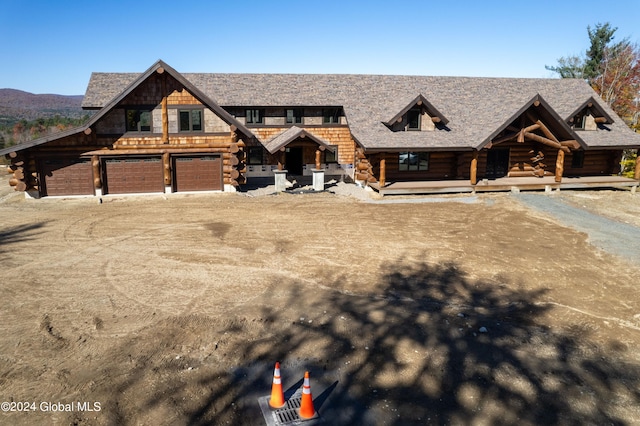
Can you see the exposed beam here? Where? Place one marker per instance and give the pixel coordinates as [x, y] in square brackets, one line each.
[505, 138]
[546, 141]
[547, 132]
[573, 144]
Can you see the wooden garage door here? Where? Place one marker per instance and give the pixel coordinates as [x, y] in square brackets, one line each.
[67, 176]
[198, 173]
[133, 175]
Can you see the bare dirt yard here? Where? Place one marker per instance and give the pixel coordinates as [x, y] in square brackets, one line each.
[173, 310]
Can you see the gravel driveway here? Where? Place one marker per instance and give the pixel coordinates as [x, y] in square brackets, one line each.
[614, 237]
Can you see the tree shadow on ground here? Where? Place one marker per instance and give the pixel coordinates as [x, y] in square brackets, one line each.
[17, 234]
[428, 345]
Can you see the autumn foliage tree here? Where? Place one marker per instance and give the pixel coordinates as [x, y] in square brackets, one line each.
[613, 70]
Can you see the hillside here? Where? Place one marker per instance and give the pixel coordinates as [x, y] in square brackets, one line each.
[16, 105]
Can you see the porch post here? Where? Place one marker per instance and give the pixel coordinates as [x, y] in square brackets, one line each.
[636, 174]
[559, 165]
[474, 168]
[166, 166]
[318, 174]
[281, 159]
[165, 109]
[383, 171]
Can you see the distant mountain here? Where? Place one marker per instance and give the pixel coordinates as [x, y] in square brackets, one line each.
[16, 105]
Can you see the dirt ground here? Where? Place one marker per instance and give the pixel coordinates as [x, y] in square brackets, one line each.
[173, 310]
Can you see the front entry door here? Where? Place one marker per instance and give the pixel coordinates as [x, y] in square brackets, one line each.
[497, 163]
[293, 161]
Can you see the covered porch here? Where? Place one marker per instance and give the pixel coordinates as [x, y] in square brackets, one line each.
[547, 183]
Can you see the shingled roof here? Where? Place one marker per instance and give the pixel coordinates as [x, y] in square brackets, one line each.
[474, 107]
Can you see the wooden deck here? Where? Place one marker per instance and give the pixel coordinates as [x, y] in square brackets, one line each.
[546, 183]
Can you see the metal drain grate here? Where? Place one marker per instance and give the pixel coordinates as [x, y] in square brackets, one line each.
[287, 415]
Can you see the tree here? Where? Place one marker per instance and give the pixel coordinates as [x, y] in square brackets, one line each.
[618, 80]
[569, 67]
[613, 70]
[600, 38]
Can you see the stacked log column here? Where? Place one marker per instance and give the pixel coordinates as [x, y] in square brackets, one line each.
[25, 176]
[364, 168]
[234, 165]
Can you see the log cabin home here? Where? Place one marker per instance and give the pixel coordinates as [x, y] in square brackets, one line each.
[162, 131]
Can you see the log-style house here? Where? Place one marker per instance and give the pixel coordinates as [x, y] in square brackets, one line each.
[162, 131]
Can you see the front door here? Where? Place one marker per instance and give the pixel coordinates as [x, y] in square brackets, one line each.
[497, 163]
[293, 161]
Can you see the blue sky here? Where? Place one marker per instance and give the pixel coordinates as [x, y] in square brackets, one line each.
[52, 47]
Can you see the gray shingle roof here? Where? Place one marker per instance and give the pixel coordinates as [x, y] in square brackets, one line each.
[475, 107]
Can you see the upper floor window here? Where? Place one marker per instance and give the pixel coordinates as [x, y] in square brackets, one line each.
[138, 120]
[254, 116]
[255, 155]
[413, 161]
[191, 120]
[413, 119]
[294, 116]
[331, 116]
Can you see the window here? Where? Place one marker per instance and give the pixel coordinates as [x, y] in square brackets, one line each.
[413, 161]
[254, 116]
[331, 116]
[191, 120]
[577, 159]
[331, 157]
[294, 116]
[138, 120]
[413, 119]
[254, 156]
[579, 121]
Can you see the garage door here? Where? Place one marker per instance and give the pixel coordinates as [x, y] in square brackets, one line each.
[198, 173]
[67, 176]
[133, 175]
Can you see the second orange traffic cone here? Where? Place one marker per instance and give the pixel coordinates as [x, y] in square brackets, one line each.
[277, 394]
[306, 404]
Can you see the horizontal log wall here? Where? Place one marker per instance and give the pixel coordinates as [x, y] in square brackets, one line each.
[596, 163]
[529, 159]
[442, 165]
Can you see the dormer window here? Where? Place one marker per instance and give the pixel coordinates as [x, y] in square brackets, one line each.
[578, 122]
[589, 116]
[417, 115]
[585, 121]
[413, 119]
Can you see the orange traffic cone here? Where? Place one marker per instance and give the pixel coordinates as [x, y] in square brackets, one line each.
[306, 404]
[277, 394]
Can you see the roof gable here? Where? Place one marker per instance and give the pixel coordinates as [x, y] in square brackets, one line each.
[420, 101]
[593, 107]
[133, 83]
[537, 121]
[291, 134]
[160, 67]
